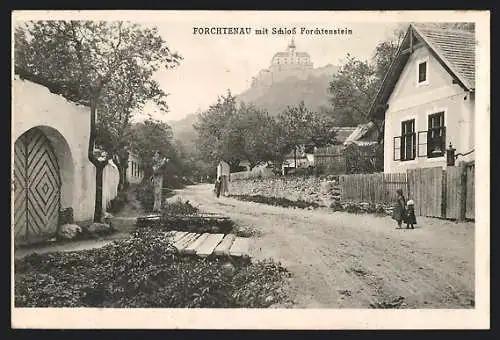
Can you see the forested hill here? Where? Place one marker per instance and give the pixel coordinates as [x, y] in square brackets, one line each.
[274, 98]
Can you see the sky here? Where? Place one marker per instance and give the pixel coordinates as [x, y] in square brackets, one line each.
[212, 64]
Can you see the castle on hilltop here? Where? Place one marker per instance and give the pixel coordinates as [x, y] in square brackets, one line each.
[290, 60]
[289, 63]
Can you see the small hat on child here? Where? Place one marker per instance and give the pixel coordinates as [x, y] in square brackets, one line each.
[410, 202]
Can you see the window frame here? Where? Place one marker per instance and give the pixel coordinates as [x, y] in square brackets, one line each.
[405, 136]
[417, 75]
[441, 129]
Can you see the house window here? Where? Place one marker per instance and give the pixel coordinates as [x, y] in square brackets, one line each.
[408, 140]
[422, 72]
[436, 135]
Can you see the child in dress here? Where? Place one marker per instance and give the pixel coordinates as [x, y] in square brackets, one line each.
[411, 220]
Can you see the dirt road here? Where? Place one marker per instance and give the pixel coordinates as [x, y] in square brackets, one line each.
[341, 260]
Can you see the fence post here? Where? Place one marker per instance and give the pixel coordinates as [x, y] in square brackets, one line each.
[462, 191]
[444, 196]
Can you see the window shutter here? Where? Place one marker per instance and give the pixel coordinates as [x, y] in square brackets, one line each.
[422, 143]
[397, 148]
[443, 139]
[414, 145]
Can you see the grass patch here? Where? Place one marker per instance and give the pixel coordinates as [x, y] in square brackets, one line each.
[277, 201]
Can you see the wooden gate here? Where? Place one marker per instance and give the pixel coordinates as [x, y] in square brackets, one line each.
[425, 187]
[37, 188]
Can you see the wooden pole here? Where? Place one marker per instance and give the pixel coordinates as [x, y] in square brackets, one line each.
[157, 185]
[462, 191]
[444, 201]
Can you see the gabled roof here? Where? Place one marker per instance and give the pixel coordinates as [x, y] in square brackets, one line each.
[361, 131]
[454, 49]
[342, 133]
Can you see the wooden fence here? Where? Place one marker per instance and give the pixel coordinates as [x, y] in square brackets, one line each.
[375, 188]
[330, 159]
[470, 191]
[437, 193]
[425, 187]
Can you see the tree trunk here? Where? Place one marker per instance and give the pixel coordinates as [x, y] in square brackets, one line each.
[98, 192]
[158, 188]
[122, 165]
[148, 173]
[92, 158]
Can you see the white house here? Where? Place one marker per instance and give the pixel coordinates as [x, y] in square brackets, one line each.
[50, 168]
[427, 99]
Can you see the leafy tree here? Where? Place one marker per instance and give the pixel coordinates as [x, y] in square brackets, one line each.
[124, 95]
[82, 59]
[148, 137]
[301, 127]
[352, 88]
[258, 132]
[238, 132]
[217, 132]
[356, 84]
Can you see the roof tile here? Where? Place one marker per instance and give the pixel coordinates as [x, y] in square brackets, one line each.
[457, 46]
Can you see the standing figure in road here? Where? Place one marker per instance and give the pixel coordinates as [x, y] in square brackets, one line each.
[411, 220]
[218, 186]
[224, 171]
[399, 211]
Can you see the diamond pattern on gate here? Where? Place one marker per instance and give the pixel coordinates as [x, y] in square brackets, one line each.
[45, 187]
[37, 188]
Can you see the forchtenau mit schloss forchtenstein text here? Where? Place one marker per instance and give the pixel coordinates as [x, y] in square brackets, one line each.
[221, 30]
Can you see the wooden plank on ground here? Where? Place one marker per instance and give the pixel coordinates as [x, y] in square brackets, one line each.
[183, 237]
[225, 245]
[185, 241]
[207, 247]
[240, 247]
[179, 235]
[191, 248]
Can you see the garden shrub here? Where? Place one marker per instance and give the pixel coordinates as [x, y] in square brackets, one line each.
[364, 159]
[145, 195]
[183, 216]
[277, 201]
[144, 271]
[117, 203]
[179, 207]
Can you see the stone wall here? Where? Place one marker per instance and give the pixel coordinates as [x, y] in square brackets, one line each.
[320, 190]
[324, 191]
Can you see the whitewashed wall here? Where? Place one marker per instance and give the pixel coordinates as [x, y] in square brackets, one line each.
[67, 126]
[412, 101]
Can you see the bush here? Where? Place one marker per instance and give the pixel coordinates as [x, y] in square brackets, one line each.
[178, 207]
[117, 203]
[364, 159]
[277, 201]
[144, 271]
[145, 195]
